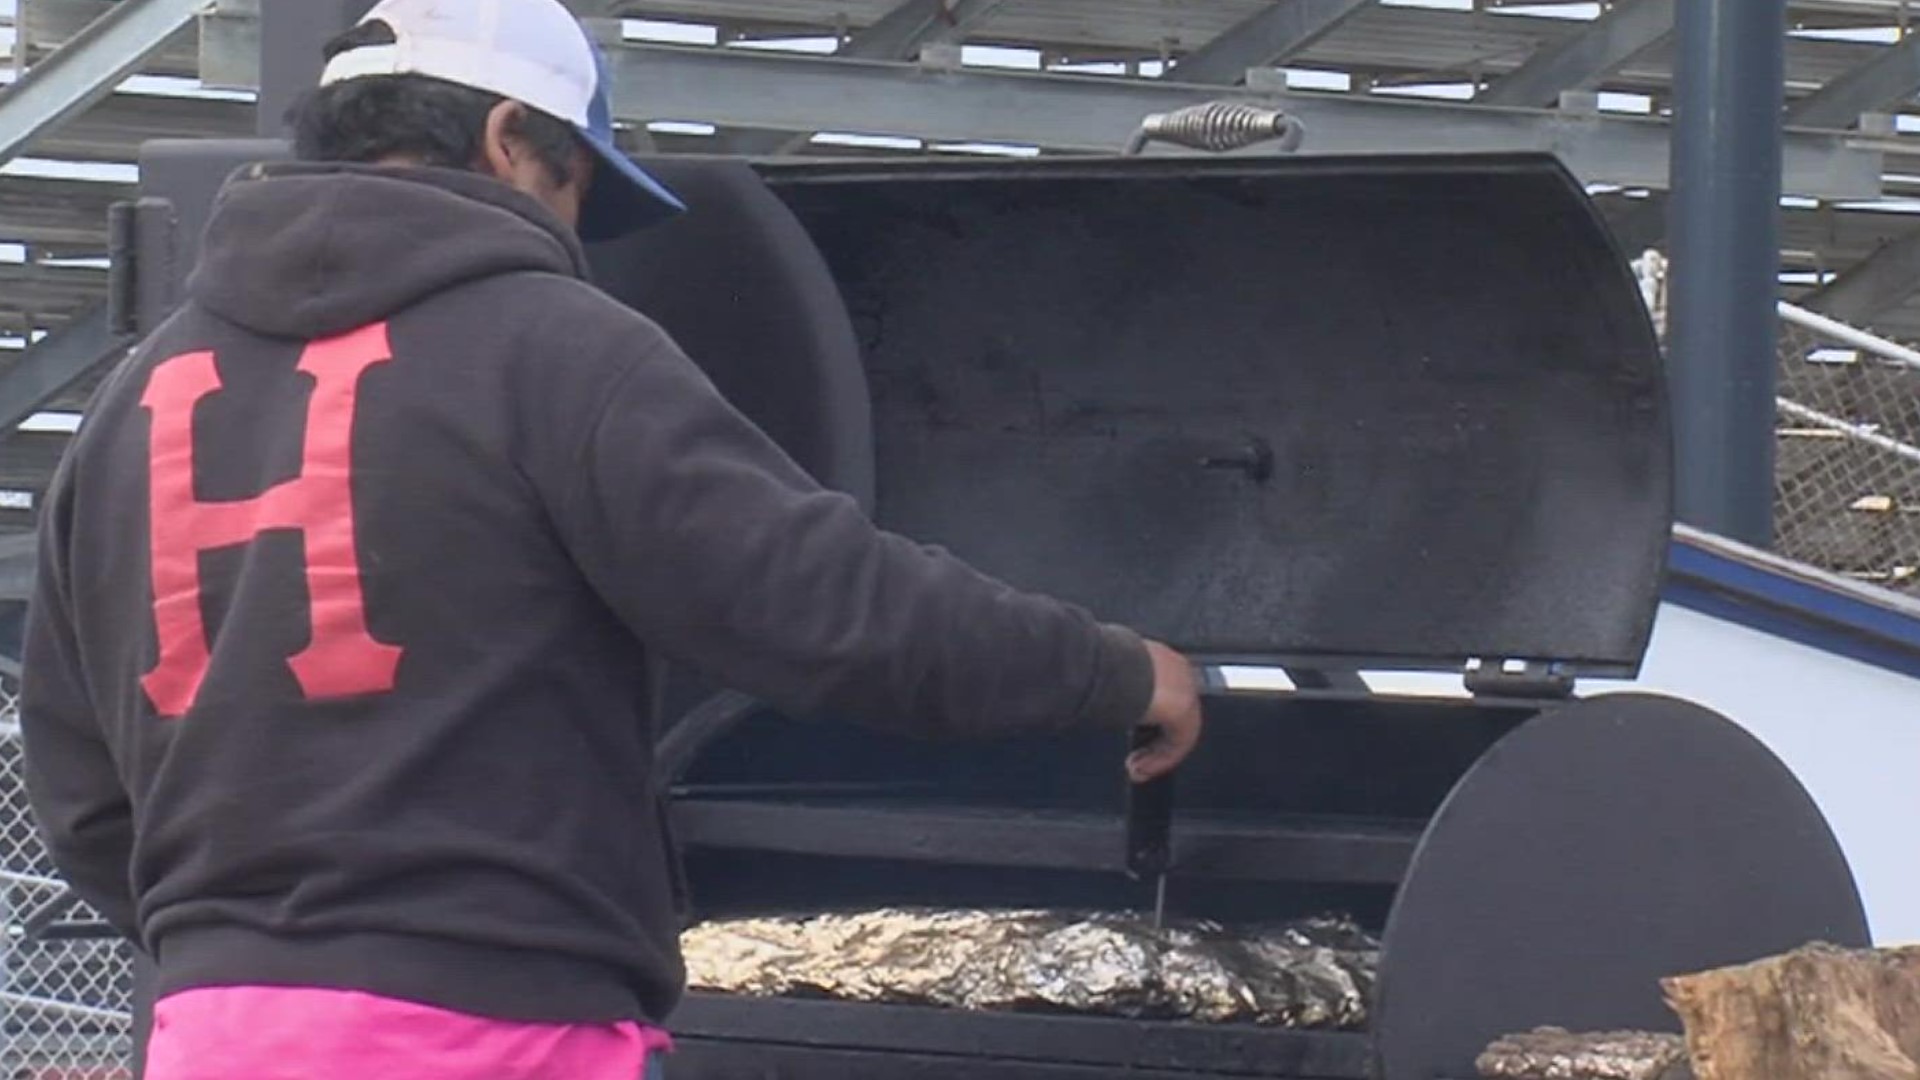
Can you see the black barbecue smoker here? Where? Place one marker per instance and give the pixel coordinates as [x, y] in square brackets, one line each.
[1318, 415]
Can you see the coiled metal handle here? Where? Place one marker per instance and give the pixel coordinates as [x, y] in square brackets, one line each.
[1220, 126]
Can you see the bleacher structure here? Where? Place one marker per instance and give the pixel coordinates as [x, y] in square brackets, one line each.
[1591, 81]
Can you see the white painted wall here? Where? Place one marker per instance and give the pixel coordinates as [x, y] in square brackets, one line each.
[1848, 730]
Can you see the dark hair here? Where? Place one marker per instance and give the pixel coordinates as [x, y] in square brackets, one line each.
[431, 121]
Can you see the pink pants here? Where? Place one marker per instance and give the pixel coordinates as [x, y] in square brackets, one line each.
[274, 1033]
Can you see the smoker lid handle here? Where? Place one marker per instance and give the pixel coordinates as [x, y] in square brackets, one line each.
[1149, 819]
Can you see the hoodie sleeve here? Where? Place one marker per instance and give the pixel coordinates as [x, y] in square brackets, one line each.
[75, 790]
[721, 552]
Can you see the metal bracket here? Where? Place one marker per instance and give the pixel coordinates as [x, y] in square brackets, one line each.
[142, 239]
[39, 919]
[1533, 680]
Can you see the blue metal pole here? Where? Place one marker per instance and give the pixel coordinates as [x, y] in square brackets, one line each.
[1729, 90]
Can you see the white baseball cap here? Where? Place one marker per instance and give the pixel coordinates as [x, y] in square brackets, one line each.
[530, 51]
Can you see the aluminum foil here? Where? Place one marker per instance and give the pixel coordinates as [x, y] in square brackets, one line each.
[1315, 973]
[1551, 1053]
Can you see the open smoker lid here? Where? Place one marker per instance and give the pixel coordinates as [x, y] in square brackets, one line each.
[1397, 412]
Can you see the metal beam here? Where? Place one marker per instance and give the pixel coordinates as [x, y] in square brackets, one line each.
[1811, 238]
[19, 563]
[87, 68]
[901, 33]
[60, 360]
[1880, 282]
[1636, 224]
[1265, 38]
[114, 130]
[1625, 31]
[1724, 325]
[736, 88]
[1888, 78]
[46, 25]
[46, 294]
[1394, 42]
[69, 214]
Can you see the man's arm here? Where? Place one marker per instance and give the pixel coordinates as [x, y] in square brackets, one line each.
[76, 792]
[716, 548]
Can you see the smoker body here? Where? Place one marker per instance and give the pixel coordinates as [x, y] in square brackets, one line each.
[1313, 414]
[1318, 414]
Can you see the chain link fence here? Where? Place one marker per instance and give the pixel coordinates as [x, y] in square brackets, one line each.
[1847, 477]
[1847, 462]
[65, 982]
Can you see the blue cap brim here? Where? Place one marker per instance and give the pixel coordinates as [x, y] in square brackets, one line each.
[623, 197]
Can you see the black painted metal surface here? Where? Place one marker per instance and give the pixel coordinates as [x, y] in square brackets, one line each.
[794, 1038]
[1291, 806]
[745, 293]
[742, 290]
[1257, 407]
[1585, 851]
[1598, 848]
[1254, 407]
[1319, 849]
[293, 37]
[1248, 406]
[188, 174]
[737, 1060]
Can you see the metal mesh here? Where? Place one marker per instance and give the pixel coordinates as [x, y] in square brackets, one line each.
[64, 988]
[1848, 470]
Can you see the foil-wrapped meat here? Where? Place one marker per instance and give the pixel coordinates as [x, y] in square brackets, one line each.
[1310, 974]
[1551, 1053]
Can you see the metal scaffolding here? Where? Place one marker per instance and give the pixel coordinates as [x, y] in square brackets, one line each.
[895, 70]
[1265, 39]
[87, 68]
[1622, 33]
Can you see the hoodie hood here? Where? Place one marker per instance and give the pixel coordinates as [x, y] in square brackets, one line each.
[309, 251]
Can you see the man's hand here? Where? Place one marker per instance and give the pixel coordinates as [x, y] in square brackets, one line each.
[1175, 710]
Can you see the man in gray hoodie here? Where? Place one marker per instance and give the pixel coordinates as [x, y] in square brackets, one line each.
[335, 676]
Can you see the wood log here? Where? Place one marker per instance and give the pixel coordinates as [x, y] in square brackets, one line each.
[1551, 1053]
[1817, 1013]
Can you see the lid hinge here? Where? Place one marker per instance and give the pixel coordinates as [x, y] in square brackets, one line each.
[1530, 679]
